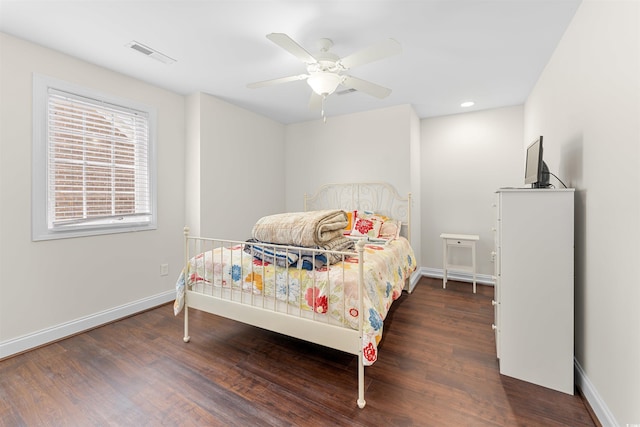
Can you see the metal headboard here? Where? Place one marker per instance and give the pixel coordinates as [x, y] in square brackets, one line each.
[378, 197]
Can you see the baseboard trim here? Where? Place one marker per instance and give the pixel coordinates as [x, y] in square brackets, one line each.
[414, 279]
[58, 332]
[438, 273]
[600, 409]
[45, 336]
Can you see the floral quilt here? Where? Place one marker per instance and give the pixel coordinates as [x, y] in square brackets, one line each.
[329, 291]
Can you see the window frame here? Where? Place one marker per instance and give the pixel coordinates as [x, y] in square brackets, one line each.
[40, 174]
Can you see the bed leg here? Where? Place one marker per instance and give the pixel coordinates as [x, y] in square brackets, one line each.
[361, 401]
[186, 337]
[361, 291]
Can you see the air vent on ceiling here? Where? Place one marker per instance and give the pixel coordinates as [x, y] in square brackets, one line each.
[346, 91]
[151, 53]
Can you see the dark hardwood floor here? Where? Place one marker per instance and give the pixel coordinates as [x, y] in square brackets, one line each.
[436, 367]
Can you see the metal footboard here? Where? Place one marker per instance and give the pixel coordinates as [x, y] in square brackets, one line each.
[223, 279]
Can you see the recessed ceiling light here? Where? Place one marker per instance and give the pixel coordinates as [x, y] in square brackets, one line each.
[466, 104]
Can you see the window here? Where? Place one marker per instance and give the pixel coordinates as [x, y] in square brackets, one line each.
[93, 163]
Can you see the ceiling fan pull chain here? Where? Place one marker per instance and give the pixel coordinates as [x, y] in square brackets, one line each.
[324, 118]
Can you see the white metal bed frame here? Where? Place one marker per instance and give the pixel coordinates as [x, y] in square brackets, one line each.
[276, 316]
[379, 197]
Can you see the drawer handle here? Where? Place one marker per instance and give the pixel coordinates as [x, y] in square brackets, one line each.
[493, 302]
[493, 326]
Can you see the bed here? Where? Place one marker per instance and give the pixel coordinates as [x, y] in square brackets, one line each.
[327, 275]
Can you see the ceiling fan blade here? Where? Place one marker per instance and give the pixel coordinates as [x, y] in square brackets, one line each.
[288, 44]
[366, 87]
[315, 102]
[277, 81]
[372, 53]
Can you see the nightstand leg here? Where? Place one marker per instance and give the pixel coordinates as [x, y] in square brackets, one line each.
[473, 256]
[444, 264]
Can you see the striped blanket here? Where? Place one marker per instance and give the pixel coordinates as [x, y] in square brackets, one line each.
[306, 258]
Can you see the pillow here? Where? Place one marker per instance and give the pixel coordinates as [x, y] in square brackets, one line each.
[369, 227]
[390, 229]
[351, 215]
[369, 215]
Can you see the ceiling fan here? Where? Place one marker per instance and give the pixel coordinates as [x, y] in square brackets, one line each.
[325, 69]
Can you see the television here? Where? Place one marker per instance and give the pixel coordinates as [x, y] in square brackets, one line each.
[536, 172]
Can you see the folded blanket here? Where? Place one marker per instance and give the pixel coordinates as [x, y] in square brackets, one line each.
[339, 244]
[302, 257]
[301, 228]
[271, 254]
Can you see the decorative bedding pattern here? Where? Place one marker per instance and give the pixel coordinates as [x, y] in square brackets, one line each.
[327, 290]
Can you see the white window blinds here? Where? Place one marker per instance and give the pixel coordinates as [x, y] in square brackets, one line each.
[98, 169]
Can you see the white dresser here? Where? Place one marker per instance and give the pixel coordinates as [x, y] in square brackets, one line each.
[533, 300]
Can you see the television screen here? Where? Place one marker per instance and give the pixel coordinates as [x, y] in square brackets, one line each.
[533, 164]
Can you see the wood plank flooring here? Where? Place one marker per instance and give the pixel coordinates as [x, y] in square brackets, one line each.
[436, 367]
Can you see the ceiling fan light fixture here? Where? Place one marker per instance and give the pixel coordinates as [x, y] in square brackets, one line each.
[324, 83]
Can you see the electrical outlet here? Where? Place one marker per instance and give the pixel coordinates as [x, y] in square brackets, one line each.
[164, 269]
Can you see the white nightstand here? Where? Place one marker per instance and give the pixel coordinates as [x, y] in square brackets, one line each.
[459, 240]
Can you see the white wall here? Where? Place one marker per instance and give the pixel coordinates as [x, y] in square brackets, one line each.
[47, 286]
[465, 159]
[192, 163]
[587, 106]
[361, 147]
[415, 171]
[242, 169]
[372, 146]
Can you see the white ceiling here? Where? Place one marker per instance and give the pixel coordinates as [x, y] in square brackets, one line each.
[491, 52]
